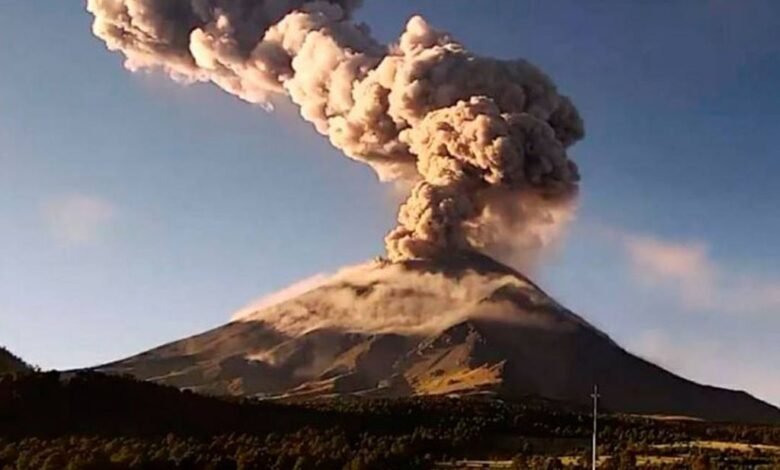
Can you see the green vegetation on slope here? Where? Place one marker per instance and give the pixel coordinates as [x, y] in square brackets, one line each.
[91, 421]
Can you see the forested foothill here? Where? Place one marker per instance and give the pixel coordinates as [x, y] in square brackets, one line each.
[88, 420]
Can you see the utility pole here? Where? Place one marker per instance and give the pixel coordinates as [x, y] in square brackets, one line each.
[595, 396]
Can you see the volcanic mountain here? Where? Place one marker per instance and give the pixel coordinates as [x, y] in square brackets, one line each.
[460, 326]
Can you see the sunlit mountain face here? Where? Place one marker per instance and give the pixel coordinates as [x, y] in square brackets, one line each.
[462, 326]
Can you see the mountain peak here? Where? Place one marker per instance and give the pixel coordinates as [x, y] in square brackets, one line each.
[409, 297]
[460, 325]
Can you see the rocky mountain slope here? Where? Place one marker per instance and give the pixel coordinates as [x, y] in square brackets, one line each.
[461, 326]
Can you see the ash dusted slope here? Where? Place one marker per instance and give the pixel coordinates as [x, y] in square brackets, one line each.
[458, 326]
[9, 363]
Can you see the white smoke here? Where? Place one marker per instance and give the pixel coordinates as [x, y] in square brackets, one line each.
[290, 292]
[482, 141]
[381, 297]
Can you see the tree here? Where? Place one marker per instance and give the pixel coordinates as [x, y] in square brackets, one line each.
[520, 462]
[301, 464]
[625, 460]
[701, 462]
[55, 461]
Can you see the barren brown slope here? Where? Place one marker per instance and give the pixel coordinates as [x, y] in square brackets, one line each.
[564, 364]
[498, 332]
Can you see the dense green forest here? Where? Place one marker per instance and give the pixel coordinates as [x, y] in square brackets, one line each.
[92, 421]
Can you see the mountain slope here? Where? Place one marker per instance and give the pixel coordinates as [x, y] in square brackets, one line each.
[463, 325]
[9, 363]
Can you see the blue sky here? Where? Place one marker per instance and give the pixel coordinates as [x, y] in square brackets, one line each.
[134, 211]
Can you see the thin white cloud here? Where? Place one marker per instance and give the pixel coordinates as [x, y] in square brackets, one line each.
[696, 280]
[78, 218]
[710, 362]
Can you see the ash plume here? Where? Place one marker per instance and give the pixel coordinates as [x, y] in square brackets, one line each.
[483, 142]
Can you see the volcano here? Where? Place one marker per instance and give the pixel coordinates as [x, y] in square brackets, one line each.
[460, 326]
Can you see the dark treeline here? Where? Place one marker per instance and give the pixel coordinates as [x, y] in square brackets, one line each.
[92, 421]
[10, 363]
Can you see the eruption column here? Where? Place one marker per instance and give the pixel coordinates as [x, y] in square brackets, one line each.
[482, 141]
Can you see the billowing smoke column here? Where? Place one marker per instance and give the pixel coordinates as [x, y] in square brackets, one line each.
[483, 141]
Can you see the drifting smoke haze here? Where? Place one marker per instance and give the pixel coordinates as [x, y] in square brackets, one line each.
[381, 297]
[482, 142]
